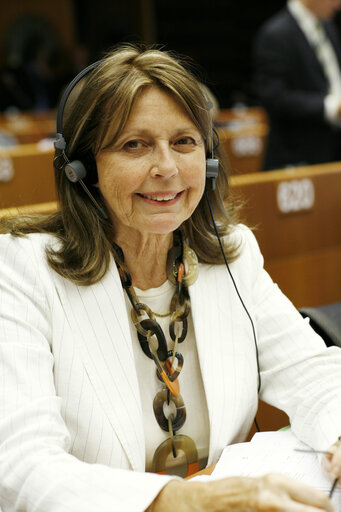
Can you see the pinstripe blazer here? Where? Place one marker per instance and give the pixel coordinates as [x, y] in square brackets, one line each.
[71, 426]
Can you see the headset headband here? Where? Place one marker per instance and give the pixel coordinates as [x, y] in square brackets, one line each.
[67, 93]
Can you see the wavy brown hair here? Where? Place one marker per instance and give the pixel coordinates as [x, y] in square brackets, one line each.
[95, 115]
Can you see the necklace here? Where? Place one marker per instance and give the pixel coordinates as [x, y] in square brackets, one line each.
[161, 315]
[182, 270]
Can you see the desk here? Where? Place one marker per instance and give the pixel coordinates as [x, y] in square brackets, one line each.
[33, 209]
[241, 115]
[29, 128]
[296, 214]
[26, 175]
[243, 134]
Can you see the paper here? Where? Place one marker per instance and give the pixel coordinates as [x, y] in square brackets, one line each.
[274, 452]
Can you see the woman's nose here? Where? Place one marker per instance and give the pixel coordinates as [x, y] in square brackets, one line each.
[164, 164]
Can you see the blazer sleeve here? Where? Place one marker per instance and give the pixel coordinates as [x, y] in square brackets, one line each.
[37, 472]
[299, 374]
[287, 80]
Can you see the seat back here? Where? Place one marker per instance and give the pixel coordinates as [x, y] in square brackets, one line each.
[326, 321]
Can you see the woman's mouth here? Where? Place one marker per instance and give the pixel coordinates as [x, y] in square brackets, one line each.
[160, 197]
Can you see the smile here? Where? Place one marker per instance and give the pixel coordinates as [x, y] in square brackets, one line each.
[160, 198]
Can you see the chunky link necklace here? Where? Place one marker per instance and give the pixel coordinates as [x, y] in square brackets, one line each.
[182, 271]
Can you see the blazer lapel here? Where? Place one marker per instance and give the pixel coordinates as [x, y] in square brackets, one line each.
[309, 52]
[220, 326]
[333, 37]
[98, 318]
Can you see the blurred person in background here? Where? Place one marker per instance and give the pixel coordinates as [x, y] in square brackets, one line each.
[35, 82]
[297, 78]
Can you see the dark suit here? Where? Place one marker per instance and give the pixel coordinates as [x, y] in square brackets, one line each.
[291, 85]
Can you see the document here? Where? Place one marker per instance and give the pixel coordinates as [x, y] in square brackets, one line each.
[276, 452]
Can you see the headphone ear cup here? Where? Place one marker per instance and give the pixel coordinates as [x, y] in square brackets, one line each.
[212, 169]
[75, 170]
[81, 169]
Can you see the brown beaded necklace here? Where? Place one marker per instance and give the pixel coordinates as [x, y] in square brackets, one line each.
[149, 332]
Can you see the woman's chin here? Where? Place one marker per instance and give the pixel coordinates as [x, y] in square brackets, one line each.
[163, 227]
[161, 223]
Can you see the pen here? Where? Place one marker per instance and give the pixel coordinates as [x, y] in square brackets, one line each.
[333, 487]
[312, 451]
[335, 481]
[326, 453]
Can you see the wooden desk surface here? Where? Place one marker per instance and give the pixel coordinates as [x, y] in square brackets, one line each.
[309, 227]
[29, 127]
[38, 208]
[26, 175]
[243, 134]
[247, 115]
[296, 214]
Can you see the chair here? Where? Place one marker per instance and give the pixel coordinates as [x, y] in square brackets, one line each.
[326, 321]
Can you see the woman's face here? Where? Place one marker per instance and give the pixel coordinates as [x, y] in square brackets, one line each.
[153, 177]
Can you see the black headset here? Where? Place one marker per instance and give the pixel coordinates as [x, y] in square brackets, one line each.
[76, 170]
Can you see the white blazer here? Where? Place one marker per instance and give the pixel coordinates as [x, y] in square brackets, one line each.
[71, 427]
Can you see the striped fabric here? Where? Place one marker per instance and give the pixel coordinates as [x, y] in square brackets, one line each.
[71, 425]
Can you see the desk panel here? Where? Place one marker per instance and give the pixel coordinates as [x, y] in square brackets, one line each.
[296, 214]
[26, 175]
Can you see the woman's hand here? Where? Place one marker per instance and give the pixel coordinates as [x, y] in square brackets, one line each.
[273, 492]
[332, 461]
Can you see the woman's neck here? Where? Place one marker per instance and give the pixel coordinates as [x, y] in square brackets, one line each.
[146, 259]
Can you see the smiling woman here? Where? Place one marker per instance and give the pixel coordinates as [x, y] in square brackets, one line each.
[106, 121]
[152, 178]
[127, 355]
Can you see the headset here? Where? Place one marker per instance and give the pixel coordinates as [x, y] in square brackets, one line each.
[76, 169]
[76, 172]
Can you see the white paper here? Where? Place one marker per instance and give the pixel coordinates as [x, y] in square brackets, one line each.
[275, 452]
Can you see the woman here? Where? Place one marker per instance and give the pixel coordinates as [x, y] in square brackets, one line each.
[103, 303]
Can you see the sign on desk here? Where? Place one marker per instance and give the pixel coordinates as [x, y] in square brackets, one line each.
[6, 170]
[295, 195]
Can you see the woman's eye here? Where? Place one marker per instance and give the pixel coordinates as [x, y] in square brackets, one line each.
[185, 140]
[133, 144]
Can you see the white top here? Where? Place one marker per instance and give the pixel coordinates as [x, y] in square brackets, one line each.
[315, 34]
[196, 425]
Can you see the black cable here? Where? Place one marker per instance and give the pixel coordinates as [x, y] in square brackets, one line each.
[239, 296]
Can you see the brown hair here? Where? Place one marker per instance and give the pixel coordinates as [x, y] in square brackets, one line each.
[95, 116]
